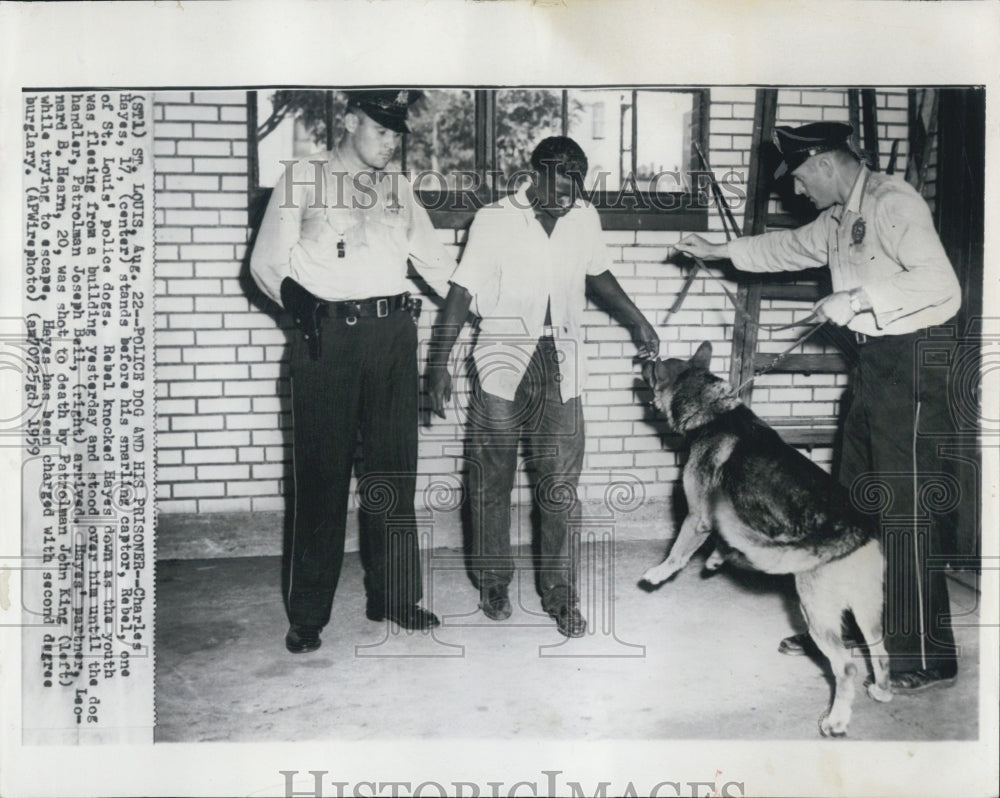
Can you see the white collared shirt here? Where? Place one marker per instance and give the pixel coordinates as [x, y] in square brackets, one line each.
[379, 225]
[899, 260]
[512, 269]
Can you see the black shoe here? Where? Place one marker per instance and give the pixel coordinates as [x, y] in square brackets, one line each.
[915, 681]
[302, 639]
[569, 621]
[411, 617]
[802, 644]
[495, 603]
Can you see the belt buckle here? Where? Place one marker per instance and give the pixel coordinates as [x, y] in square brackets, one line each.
[860, 338]
[549, 330]
[382, 307]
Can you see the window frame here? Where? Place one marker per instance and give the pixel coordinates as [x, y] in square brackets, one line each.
[675, 210]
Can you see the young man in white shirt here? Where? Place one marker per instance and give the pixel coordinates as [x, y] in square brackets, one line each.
[531, 259]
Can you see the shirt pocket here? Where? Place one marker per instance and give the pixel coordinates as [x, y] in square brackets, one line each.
[313, 225]
[383, 232]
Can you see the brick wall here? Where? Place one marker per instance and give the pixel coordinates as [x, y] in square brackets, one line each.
[223, 416]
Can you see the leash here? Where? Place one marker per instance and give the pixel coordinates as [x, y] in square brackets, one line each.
[700, 264]
[801, 340]
[725, 212]
[728, 225]
[731, 229]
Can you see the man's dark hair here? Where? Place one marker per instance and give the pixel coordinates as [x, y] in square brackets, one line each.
[563, 155]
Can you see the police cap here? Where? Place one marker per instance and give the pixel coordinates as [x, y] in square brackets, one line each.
[387, 107]
[798, 144]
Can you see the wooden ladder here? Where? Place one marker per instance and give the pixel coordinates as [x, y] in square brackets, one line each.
[804, 287]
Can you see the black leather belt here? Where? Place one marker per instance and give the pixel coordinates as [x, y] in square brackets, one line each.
[861, 339]
[376, 307]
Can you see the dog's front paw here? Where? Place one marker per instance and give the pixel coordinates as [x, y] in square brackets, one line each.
[658, 574]
[834, 724]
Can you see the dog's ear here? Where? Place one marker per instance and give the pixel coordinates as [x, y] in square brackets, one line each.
[703, 357]
[720, 396]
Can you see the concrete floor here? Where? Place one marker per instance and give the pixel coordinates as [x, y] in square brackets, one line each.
[696, 659]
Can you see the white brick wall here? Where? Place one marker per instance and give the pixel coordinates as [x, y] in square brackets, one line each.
[222, 381]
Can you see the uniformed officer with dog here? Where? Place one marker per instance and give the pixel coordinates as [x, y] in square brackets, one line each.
[892, 285]
[332, 251]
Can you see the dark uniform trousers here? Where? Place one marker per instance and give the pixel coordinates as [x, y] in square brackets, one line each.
[366, 383]
[897, 417]
[554, 433]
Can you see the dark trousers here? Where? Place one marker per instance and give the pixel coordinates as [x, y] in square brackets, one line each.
[364, 385]
[897, 416]
[554, 434]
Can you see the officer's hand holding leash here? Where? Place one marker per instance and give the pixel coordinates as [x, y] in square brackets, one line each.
[698, 247]
[305, 310]
[842, 306]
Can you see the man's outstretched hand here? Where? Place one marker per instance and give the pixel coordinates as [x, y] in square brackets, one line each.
[438, 388]
[647, 341]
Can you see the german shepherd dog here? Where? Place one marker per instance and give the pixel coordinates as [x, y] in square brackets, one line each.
[775, 511]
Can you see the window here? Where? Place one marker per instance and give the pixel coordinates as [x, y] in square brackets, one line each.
[597, 120]
[442, 138]
[467, 146]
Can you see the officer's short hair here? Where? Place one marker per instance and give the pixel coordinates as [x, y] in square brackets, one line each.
[563, 155]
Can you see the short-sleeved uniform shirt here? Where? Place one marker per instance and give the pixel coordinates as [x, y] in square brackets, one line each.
[377, 223]
[513, 269]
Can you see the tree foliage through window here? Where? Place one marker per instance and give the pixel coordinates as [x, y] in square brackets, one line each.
[442, 124]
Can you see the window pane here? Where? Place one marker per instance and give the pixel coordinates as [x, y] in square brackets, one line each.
[524, 117]
[663, 144]
[442, 138]
[290, 124]
[600, 121]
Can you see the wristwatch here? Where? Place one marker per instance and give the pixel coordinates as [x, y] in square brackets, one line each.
[856, 305]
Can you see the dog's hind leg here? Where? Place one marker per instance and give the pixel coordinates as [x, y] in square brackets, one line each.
[824, 611]
[866, 604]
[693, 532]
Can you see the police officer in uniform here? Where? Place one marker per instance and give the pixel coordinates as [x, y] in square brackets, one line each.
[332, 251]
[892, 285]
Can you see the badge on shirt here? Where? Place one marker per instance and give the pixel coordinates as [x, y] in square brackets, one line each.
[858, 231]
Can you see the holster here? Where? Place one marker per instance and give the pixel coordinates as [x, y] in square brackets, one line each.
[414, 304]
[304, 307]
